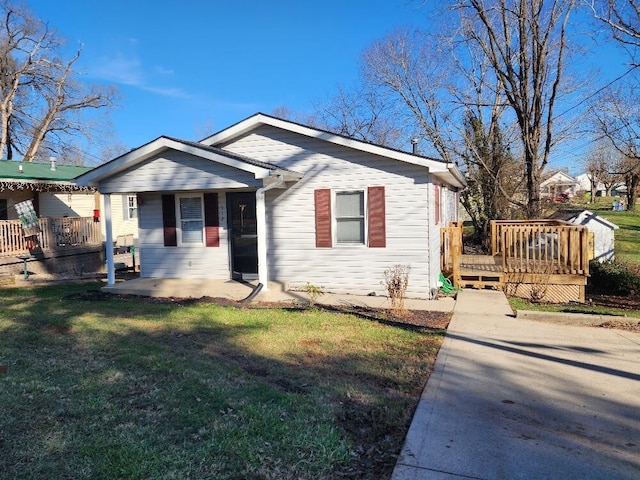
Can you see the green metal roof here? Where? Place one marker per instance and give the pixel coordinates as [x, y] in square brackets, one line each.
[10, 169]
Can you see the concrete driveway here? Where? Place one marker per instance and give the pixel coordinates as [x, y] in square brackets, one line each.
[520, 399]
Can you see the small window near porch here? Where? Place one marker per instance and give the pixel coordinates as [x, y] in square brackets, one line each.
[350, 218]
[132, 207]
[190, 220]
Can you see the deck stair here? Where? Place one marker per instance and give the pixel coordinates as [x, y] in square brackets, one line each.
[480, 271]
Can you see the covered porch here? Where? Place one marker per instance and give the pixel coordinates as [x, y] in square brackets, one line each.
[542, 260]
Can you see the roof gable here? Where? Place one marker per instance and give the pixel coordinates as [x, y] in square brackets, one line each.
[261, 170]
[558, 177]
[446, 172]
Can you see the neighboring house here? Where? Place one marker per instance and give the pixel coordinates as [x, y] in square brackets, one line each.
[602, 229]
[557, 184]
[282, 202]
[584, 183]
[53, 193]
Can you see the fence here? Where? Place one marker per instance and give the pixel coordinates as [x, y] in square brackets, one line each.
[55, 234]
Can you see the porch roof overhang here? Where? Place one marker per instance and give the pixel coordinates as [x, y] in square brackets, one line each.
[33, 185]
[267, 172]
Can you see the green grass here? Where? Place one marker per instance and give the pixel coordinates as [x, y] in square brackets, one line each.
[120, 388]
[628, 235]
[522, 304]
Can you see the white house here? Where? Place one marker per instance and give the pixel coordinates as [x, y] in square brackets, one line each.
[282, 202]
[53, 193]
[557, 184]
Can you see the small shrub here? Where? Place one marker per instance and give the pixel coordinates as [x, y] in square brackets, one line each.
[615, 277]
[396, 281]
[313, 292]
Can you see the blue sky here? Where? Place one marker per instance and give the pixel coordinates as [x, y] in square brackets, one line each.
[192, 67]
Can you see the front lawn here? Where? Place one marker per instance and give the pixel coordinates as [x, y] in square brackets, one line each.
[113, 388]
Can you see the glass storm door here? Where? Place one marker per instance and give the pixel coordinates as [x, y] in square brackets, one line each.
[241, 208]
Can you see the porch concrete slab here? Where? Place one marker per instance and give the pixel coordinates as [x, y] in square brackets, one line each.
[236, 290]
[512, 398]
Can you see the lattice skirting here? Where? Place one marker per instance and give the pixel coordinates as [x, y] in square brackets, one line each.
[546, 293]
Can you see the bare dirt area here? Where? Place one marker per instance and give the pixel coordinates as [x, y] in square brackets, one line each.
[625, 303]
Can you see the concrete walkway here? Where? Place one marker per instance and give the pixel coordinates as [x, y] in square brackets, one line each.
[512, 398]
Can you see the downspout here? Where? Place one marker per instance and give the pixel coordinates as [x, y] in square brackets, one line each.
[261, 217]
[111, 277]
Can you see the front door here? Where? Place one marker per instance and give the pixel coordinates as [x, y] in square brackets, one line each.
[241, 208]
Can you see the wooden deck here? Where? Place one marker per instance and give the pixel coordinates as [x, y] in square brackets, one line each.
[536, 259]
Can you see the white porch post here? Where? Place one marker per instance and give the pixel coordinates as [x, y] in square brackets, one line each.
[261, 230]
[111, 277]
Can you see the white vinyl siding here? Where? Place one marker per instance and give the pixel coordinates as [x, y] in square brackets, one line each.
[176, 171]
[292, 254]
[187, 261]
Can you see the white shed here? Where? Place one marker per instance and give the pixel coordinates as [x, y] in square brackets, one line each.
[602, 229]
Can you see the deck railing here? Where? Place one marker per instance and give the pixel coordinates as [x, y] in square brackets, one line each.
[55, 234]
[451, 246]
[498, 225]
[530, 247]
[545, 248]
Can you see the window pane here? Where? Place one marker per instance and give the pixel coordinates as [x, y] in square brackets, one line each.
[192, 231]
[191, 208]
[132, 206]
[350, 230]
[350, 204]
[191, 219]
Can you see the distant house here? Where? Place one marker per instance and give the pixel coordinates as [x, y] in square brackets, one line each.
[71, 234]
[584, 183]
[557, 184]
[602, 229]
[283, 202]
[54, 194]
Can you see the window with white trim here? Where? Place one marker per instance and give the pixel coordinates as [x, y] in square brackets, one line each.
[350, 217]
[190, 219]
[132, 207]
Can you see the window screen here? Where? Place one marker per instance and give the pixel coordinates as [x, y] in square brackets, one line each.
[191, 219]
[350, 217]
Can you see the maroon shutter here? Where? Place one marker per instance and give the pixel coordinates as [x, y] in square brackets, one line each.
[323, 218]
[169, 220]
[376, 217]
[211, 220]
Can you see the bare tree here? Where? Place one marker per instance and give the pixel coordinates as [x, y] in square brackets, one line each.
[525, 42]
[361, 114]
[623, 18]
[600, 165]
[40, 94]
[618, 118]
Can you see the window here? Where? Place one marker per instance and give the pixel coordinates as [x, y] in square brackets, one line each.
[190, 219]
[170, 221]
[131, 207]
[350, 219]
[343, 220]
[4, 214]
